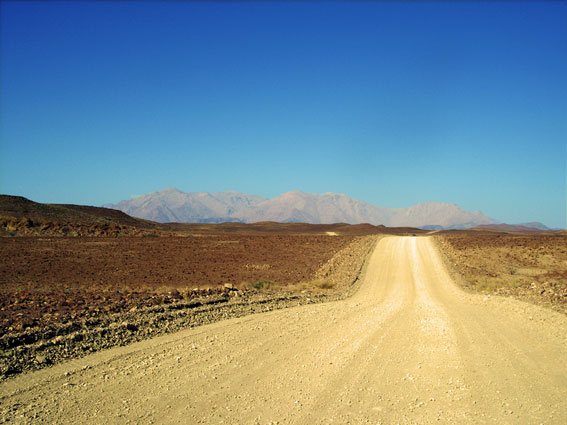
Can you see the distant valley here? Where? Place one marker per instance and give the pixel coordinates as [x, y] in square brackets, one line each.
[173, 205]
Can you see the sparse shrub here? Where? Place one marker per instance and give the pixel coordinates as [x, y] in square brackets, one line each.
[311, 285]
[325, 284]
[151, 235]
[260, 284]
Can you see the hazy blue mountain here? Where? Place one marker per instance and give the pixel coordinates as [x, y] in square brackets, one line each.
[329, 207]
[338, 208]
[448, 216]
[172, 205]
[535, 225]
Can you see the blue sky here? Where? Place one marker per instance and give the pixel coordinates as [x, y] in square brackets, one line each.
[393, 103]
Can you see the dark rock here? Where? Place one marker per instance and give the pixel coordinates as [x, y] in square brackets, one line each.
[130, 326]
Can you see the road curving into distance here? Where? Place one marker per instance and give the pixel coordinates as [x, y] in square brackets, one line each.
[409, 347]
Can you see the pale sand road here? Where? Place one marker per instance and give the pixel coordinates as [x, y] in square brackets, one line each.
[408, 348]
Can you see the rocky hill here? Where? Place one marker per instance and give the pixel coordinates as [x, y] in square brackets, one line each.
[19, 215]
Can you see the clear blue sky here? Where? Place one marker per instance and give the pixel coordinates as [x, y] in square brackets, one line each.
[393, 103]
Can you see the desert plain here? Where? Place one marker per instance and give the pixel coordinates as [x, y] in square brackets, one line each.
[279, 323]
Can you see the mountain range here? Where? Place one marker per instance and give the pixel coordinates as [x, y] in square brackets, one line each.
[172, 205]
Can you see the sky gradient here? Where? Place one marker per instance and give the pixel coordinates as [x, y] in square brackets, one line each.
[393, 103]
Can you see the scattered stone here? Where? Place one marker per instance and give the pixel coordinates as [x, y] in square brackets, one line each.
[130, 326]
[175, 294]
[41, 359]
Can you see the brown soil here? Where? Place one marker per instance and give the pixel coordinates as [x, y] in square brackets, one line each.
[54, 279]
[92, 293]
[291, 228]
[531, 267]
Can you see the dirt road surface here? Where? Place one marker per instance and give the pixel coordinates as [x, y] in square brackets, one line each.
[408, 348]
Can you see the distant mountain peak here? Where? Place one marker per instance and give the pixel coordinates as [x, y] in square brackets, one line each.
[173, 205]
[535, 225]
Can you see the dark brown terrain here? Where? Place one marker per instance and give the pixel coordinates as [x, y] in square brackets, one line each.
[57, 279]
[20, 216]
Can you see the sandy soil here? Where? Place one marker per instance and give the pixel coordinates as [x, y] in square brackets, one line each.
[409, 347]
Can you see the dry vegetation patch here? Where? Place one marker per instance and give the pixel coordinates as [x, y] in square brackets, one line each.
[531, 267]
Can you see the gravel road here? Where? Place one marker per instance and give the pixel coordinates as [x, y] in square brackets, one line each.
[408, 348]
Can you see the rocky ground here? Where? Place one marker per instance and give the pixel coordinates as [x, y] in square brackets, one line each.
[530, 267]
[41, 327]
[65, 297]
[52, 280]
[409, 347]
[14, 226]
